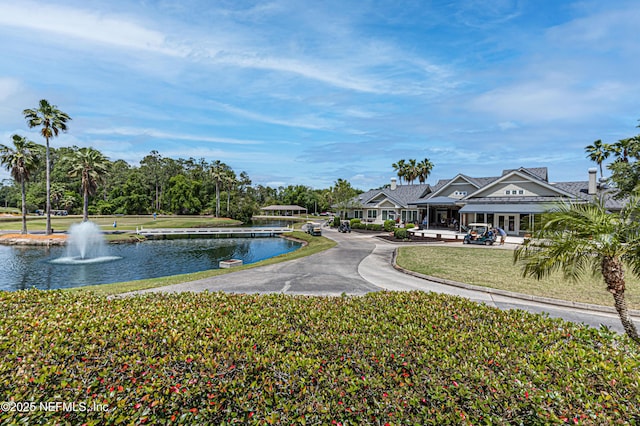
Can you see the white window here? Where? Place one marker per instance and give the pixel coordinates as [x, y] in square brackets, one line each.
[357, 214]
[460, 193]
[372, 214]
[388, 214]
[410, 216]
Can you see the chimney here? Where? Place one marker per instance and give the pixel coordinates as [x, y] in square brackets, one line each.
[394, 185]
[593, 186]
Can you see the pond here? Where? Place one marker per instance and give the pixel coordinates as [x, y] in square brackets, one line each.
[26, 267]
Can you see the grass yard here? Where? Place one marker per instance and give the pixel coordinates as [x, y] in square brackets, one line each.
[384, 358]
[494, 268]
[125, 223]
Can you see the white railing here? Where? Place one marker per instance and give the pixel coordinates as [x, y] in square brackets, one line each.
[213, 231]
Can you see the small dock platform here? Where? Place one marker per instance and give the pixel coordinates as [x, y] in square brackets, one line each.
[160, 233]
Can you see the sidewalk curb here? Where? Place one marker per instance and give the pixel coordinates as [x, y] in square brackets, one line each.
[522, 296]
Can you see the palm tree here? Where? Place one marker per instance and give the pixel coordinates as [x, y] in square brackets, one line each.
[91, 166]
[625, 148]
[230, 180]
[400, 167]
[424, 170]
[412, 171]
[21, 161]
[583, 238]
[218, 171]
[598, 152]
[52, 121]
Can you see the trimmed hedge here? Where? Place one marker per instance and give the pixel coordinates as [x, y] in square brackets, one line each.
[355, 221]
[389, 225]
[383, 358]
[401, 233]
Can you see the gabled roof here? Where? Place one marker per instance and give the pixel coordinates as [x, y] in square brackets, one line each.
[442, 185]
[403, 195]
[537, 172]
[526, 174]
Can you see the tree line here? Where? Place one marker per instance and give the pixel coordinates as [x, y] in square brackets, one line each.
[83, 180]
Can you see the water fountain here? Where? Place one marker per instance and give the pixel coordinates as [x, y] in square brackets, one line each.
[85, 244]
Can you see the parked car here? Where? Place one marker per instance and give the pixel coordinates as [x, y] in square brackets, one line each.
[479, 233]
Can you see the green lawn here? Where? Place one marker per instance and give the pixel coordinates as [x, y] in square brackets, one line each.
[124, 223]
[494, 268]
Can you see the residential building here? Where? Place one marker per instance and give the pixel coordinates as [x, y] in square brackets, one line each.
[392, 202]
[510, 201]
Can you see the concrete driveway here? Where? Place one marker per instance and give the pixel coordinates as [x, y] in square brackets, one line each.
[360, 264]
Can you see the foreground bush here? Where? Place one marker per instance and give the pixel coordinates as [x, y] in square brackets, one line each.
[401, 233]
[389, 225]
[396, 358]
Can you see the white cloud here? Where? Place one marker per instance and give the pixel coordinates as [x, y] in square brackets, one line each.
[152, 133]
[304, 122]
[8, 88]
[507, 125]
[85, 25]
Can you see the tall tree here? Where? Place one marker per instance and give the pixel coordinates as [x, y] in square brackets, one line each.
[344, 195]
[218, 171]
[92, 167]
[586, 238]
[229, 181]
[401, 169]
[412, 171]
[182, 194]
[21, 161]
[52, 121]
[153, 162]
[424, 170]
[625, 149]
[598, 152]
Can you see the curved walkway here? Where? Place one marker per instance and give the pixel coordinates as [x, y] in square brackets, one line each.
[360, 264]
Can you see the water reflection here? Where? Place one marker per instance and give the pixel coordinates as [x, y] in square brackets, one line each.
[27, 267]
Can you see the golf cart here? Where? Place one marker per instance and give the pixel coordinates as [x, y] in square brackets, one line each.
[479, 233]
[345, 226]
[313, 228]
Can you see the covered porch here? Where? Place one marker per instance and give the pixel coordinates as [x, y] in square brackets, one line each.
[516, 219]
[439, 213]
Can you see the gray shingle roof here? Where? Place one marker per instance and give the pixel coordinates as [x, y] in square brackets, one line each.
[403, 195]
[537, 172]
[406, 195]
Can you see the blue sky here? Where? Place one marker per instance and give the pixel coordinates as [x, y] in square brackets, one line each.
[306, 92]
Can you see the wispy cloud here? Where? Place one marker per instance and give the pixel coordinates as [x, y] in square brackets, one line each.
[305, 122]
[304, 92]
[86, 25]
[156, 134]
